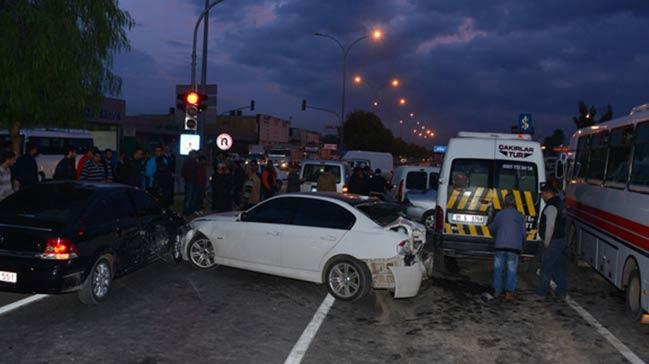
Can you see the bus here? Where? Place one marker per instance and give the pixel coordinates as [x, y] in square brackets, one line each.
[607, 202]
[52, 144]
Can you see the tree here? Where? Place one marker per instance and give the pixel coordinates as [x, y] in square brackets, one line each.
[56, 59]
[557, 138]
[364, 130]
[587, 115]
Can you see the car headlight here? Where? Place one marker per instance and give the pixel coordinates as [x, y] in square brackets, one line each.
[468, 219]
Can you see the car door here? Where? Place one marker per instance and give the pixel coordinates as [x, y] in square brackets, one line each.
[262, 229]
[317, 227]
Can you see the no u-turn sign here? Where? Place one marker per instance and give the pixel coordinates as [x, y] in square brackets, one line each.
[224, 141]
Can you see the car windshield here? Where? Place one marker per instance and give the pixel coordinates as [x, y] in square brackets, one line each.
[313, 171]
[47, 202]
[382, 213]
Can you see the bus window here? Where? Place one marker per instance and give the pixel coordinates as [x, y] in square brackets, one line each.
[640, 169]
[597, 162]
[581, 160]
[470, 173]
[619, 154]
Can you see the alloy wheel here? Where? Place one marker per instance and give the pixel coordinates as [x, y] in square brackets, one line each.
[344, 280]
[101, 280]
[202, 254]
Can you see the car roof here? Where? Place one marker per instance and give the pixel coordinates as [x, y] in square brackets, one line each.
[323, 161]
[96, 186]
[350, 198]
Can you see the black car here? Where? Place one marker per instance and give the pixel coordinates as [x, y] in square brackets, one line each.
[63, 237]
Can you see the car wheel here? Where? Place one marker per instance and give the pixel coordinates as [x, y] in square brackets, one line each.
[633, 289]
[98, 282]
[348, 279]
[429, 221]
[201, 252]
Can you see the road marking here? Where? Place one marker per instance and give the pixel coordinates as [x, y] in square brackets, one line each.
[20, 303]
[617, 344]
[302, 345]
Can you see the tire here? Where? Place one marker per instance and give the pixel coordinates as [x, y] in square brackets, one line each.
[347, 279]
[633, 294]
[429, 221]
[97, 285]
[200, 252]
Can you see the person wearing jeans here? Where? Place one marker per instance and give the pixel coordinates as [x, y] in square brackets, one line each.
[508, 229]
[552, 230]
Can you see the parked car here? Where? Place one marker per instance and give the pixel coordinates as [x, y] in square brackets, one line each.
[417, 178]
[348, 242]
[422, 207]
[61, 237]
[311, 170]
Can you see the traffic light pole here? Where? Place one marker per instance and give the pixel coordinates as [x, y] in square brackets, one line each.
[198, 23]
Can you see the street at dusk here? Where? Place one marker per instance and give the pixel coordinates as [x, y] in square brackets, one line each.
[265, 181]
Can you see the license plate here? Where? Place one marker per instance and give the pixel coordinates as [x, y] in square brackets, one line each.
[468, 219]
[9, 277]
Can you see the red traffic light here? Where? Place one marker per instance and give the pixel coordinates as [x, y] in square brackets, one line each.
[192, 98]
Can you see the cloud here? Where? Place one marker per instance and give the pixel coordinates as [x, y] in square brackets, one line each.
[466, 32]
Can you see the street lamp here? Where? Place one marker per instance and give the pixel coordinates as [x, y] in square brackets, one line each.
[412, 114]
[358, 79]
[402, 101]
[377, 34]
[395, 83]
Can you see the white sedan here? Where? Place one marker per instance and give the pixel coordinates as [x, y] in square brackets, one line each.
[348, 242]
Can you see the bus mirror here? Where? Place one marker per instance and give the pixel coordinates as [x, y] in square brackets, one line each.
[558, 169]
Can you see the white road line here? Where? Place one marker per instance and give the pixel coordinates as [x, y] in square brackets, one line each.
[20, 303]
[303, 343]
[617, 344]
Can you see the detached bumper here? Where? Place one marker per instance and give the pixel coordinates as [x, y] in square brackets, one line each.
[394, 275]
[42, 276]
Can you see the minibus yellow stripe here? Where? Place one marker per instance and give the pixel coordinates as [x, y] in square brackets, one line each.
[519, 202]
[463, 201]
[451, 201]
[476, 198]
[447, 228]
[530, 203]
[489, 197]
[495, 198]
[472, 230]
[460, 229]
[485, 231]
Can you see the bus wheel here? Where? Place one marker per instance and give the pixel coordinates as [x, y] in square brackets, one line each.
[633, 289]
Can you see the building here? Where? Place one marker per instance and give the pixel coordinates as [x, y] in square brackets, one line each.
[243, 129]
[104, 125]
[303, 137]
[273, 130]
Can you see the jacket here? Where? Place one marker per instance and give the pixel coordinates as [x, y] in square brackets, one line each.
[25, 171]
[326, 182]
[508, 228]
[553, 221]
[65, 170]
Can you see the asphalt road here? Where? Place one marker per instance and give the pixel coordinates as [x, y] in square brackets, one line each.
[174, 314]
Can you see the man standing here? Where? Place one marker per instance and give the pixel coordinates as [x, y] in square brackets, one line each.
[552, 231]
[326, 181]
[150, 171]
[96, 170]
[65, 170]
[293, 181]
[251, 188]
[25, 171]
[134, 169]
[508, 228]
[378, 184]
[87, 155]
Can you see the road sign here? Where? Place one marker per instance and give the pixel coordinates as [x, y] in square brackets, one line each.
[525, 124]
[439, 149]
[189, 142]
[224, 141]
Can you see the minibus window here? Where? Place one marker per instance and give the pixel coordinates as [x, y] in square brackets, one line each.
[619, 154]
[640, 171]
[520, 176]
[313, 171]
[470, 173]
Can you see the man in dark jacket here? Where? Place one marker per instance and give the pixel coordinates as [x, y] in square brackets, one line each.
[293, 181]
[552, 231]
[25, 171]
[508, 229]
[378, 184]
[135, 169]
[66, 169]
[359, 183]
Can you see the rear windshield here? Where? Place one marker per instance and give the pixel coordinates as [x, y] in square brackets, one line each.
[433, 182]
[47, 202]
[510, 175]
[417, 180]
[313, 171]
[382, 213]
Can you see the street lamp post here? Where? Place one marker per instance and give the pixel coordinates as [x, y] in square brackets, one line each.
[198, 23]
[345, 52]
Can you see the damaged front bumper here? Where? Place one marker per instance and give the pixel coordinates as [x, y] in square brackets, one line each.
[403, 274]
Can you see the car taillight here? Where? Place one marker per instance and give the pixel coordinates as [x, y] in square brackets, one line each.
[439, 219]
[345, 189]
[60, 249]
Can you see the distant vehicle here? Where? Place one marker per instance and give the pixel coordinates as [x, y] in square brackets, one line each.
[422, 207]
[416, 178]
[256, 149]
[311, 170]
[350, 244]
[607, 199]
[51, 145]
[374, 160]
[60, 237]
[281, 157]
[478, 171]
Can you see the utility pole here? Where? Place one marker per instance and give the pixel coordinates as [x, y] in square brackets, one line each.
[206, 22]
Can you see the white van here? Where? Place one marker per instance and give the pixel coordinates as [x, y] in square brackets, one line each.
[416, 178]
[479, 170]
[374, 160]
[52, 144]
[311, 170]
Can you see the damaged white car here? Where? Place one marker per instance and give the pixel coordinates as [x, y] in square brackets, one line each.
[349, 243]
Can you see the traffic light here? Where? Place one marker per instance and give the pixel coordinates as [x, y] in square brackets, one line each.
[303, 105]
[192, 102]
[252, 105]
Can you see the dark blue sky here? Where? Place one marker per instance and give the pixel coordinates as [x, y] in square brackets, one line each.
[464, 64]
